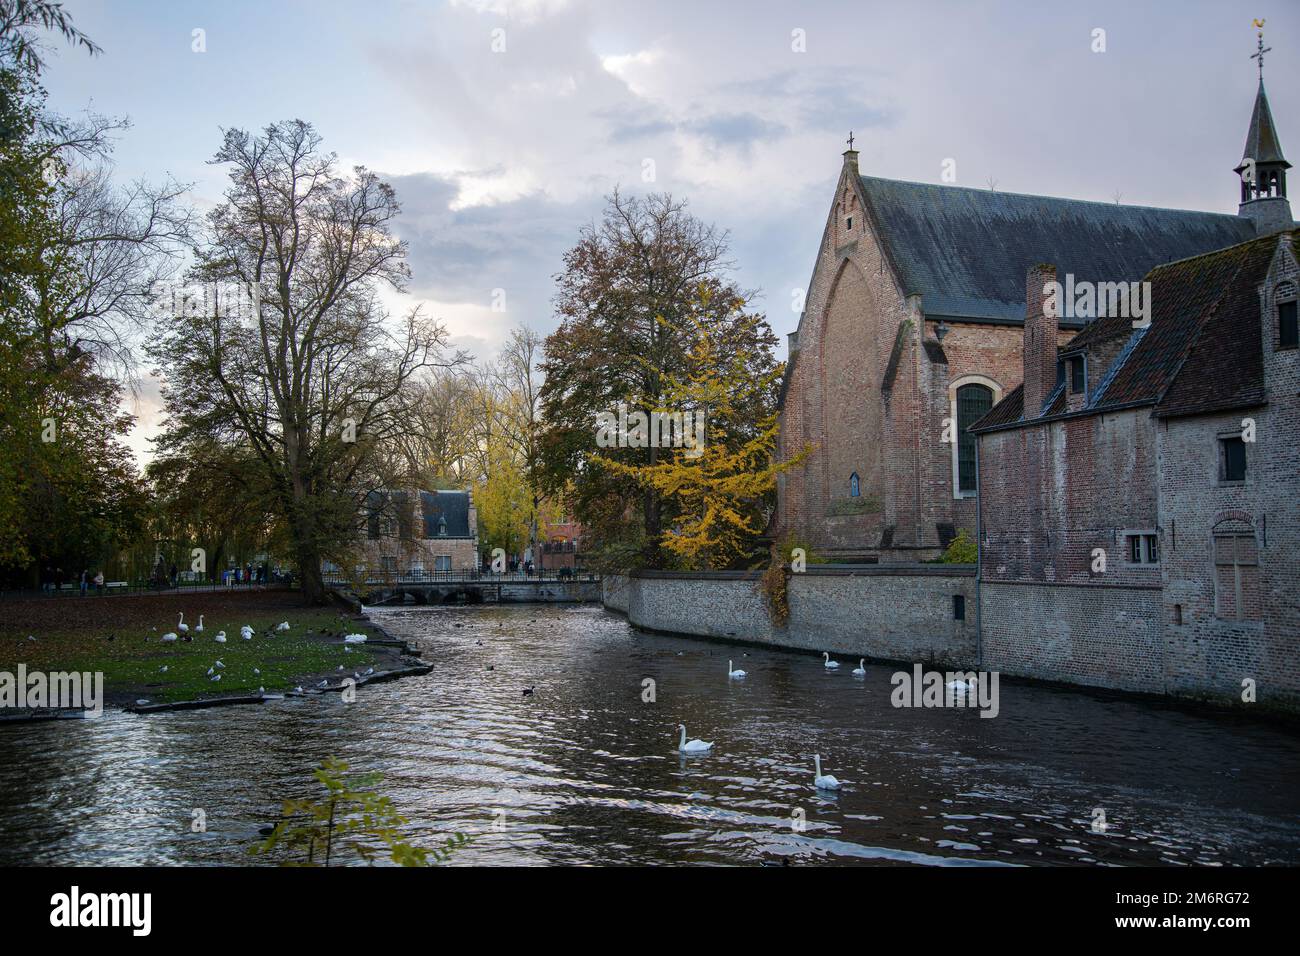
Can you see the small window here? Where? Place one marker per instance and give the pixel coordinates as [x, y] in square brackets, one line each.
[1178, 614]
[959, 607]
[855, 489]
[442, 562]
[1143, 548]
[1288, 335]
[1234, 459]
[1078, 374]
[850, 223]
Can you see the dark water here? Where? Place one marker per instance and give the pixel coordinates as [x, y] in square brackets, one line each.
[586, 772]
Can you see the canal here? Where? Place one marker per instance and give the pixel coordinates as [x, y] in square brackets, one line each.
[586, 769]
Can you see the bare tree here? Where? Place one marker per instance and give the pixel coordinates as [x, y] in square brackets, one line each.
[314, 379]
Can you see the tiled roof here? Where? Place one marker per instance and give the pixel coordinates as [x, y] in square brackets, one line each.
[1202, 350]
[966, 251]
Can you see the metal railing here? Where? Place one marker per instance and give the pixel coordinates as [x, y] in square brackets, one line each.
[464, 576]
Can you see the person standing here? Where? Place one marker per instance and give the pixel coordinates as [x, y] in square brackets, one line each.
[85, 578]
[99, 583]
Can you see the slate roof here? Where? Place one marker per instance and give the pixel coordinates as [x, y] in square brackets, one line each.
[966, 251]
[1201, 352]
[452, 505]
[1262, 143]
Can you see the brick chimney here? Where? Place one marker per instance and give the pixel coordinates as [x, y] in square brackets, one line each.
[1040, 339]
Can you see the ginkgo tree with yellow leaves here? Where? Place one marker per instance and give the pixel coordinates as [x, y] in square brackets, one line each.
[722, 495]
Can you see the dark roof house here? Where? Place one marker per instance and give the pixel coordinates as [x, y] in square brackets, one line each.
[1201, 352]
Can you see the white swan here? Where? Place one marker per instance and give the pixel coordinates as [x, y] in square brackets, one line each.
[354, 639]
[169, 637]
[861, 669]
[823, 782]
[959, 686]
[282, 626]
[198, 628]
[692, 746]
[181, 625]
[735, 674]
[221, 637]
[246, 632]
[830, 664]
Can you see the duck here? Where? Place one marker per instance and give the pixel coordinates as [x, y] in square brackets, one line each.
[354, 639]
[323, 683]
[528, 691]
[823, 781]
[830, 665]
[163, 669]
[181, 625]
[221, 637]
[734, 673]
[861, 669]
[198, 628]
[692, 746]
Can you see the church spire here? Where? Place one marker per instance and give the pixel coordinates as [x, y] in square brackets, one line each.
[1263, 167]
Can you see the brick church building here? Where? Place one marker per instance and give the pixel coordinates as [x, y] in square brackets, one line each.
[913, 329]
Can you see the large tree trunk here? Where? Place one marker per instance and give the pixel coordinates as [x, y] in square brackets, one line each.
[313, 585]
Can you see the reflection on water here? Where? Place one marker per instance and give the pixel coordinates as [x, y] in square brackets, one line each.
[586, 771]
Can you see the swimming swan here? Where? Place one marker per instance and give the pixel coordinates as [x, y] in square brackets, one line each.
[861, 669]
[692, 746]
[823, 782]
[830, 664]
[735, 674]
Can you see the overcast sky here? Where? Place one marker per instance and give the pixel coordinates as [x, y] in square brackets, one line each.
[500, 155]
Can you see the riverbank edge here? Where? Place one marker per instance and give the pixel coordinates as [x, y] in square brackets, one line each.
[407, 654]
[1285, 714]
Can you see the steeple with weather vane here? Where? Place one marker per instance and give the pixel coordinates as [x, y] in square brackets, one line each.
[1263, 167]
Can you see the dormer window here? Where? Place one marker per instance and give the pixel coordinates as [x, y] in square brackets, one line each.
[1078, 374]
[1288, 334]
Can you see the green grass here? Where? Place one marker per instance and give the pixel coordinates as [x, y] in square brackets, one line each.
[132, 666]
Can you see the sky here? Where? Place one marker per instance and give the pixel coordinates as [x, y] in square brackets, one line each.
[503, 125]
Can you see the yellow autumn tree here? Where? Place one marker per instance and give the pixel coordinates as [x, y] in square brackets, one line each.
[504, 501]
[723, 489]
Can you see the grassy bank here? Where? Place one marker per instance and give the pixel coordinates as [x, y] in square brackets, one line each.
[121, 638]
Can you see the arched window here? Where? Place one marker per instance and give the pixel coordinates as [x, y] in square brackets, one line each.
[973, 402]
[854, 488]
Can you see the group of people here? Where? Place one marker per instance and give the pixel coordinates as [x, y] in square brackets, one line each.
[53, 580]
[246, 575]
